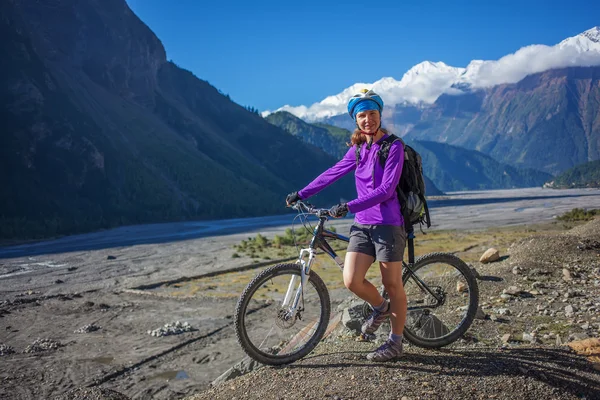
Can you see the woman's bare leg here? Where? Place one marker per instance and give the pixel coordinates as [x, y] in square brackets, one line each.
[391, 275]
[356, 266]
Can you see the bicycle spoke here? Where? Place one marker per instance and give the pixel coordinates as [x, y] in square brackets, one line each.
[271, 328]
[261, 345]
[440, 305]
[301, 336]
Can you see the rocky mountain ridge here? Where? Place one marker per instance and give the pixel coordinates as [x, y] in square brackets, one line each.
[541, 115]
[548, 121]
[101, 130]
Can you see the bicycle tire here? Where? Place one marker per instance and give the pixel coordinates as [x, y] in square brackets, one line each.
[422, 323]
[270, 311]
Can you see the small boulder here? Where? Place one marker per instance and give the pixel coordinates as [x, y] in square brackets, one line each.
[517, 270]
[6, 349]
[530, 337]
[239, 369]
[569, 311]
[353, 317]
[490, 255]
[480, 314]
[88, 328]
[512, 290]
[431, 326]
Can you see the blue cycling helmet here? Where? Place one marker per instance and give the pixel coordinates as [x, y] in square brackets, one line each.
[368, 100]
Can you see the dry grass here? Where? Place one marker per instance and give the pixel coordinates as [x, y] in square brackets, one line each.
[468, 245]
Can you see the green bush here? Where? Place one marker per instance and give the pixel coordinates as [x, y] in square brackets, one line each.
[578, 214]
[259, 244]
[260, 241]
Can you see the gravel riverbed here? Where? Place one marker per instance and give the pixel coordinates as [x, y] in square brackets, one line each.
[75, 325]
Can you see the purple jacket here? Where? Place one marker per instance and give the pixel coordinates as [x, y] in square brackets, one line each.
[377, 202]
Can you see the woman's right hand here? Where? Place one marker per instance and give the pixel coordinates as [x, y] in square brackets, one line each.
[339, 210]
[292, 198]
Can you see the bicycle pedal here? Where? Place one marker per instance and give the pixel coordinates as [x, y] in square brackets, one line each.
[366, 337]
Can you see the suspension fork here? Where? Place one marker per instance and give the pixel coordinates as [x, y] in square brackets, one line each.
[292, 297]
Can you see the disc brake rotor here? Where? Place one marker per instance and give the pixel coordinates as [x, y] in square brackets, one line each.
[284, 320]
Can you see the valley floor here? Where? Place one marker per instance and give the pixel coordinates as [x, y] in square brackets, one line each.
[122, 291]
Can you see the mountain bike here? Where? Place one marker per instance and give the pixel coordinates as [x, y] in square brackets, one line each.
[285, 310]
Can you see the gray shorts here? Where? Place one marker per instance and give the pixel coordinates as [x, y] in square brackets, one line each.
[384, 242]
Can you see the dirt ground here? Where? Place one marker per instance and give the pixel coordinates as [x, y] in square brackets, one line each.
[89, 288]
[537, 302]
[51, 296]
[340, 371]
[121, 352]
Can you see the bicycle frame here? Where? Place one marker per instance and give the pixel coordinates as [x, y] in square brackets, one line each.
[320, 234]
[439, 310]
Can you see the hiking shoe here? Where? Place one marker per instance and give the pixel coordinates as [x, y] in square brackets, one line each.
[388, 351]
[376, 318]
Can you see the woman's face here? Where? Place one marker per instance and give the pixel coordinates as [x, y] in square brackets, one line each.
[368, 121]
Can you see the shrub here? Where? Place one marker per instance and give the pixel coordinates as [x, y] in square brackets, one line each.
[260, 241]
[578, 214]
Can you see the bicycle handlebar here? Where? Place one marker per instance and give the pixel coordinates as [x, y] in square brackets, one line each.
[308, 208]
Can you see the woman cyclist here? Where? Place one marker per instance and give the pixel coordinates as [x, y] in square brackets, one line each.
[378, 230]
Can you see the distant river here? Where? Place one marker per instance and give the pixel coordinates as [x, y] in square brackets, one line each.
[458, 210]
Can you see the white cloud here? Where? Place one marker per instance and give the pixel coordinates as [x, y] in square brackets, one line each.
[530, 60]
[426, 81]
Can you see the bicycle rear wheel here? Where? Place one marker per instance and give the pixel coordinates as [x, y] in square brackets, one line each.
[264, 326]
[442, 300]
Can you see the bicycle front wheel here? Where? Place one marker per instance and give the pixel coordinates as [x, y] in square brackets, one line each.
[266, 328]
[443, 297]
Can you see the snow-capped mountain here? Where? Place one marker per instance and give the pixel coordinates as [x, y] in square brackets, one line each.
[586, 41]
[426, 81]
[423, 83]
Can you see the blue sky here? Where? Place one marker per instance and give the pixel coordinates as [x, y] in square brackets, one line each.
[269, 53]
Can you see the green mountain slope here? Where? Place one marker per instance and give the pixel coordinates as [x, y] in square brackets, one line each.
[99, 130]
[332, 139]
[446, 167]
[580, 176]
[454, 168]
[317, 135]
